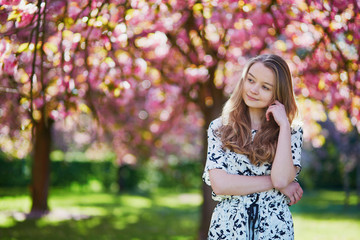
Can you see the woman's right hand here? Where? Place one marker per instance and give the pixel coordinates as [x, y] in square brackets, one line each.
[293, 191]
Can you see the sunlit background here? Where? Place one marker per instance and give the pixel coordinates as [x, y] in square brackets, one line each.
[105, 105]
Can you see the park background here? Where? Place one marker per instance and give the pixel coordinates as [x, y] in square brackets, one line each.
[105, 106]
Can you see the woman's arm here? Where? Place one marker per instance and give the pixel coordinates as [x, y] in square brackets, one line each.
[223, 183]
[283, 170]
[216, 175]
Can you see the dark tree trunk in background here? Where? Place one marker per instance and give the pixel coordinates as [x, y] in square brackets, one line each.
[356, 153]
[208, 204]
[358, 180]
[345, 160]
[346, 189]
[41, 168]
[210, 112]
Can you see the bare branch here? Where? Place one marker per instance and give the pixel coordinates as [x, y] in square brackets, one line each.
[34, 64]
[9, 90]
[42, 54]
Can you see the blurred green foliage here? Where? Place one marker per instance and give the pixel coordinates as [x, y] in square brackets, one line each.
[13, 173]
[325, 170]
[77, 171]
[63, 172]
[180, 175]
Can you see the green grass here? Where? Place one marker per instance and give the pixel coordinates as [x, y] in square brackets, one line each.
[322, 215]
[161, 215]
[164, 214]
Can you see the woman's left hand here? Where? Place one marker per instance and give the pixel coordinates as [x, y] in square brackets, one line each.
[293, 191]
[277, 110]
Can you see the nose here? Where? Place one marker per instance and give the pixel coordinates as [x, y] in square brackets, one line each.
[255, 89]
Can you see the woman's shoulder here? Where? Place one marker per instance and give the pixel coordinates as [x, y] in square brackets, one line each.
[297, 127]
[216, 123]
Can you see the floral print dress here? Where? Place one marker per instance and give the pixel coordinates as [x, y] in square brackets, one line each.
[260, 216]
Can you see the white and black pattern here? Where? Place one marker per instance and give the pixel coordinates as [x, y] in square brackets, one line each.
[263, 215]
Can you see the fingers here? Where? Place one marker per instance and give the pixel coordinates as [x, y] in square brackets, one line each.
[296, 197]
[292, 200]
[267, 114]
[271, 109]
[277, 110]
[295, 194]
[276, 102]
[299, 191]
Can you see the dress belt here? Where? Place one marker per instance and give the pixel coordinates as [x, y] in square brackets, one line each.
[253, 214]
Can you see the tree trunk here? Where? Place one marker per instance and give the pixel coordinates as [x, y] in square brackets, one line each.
[358, 180]
[346, 180]
[41, 168]
[208, 203]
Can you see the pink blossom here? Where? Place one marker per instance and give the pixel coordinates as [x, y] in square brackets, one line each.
[222, 17]
[3, 16]
[194, 75]
[256, 43]
[140, 67]
[55, 8]
[73, 11]
[38, 103]
[25, 19]
[26, 57]
[144, 53]
[238, 36]
[94, 33]
[3, 46]
[10, 2]
[10, 64]
[117, 2]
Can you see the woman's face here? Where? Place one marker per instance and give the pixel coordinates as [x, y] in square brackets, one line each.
[258, 88]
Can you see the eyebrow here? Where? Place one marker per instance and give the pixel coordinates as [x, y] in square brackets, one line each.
[252, 75]
[264, 82]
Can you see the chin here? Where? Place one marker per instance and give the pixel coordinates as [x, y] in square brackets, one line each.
[251, 104]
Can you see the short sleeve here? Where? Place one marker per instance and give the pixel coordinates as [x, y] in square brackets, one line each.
[215, 153]
[296, 146]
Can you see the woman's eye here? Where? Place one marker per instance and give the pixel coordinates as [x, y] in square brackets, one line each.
[266, 88]
[250, 80]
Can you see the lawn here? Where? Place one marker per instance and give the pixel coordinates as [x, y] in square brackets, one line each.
[163, 214]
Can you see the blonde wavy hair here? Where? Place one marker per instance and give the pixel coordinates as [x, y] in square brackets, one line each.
[235, 132]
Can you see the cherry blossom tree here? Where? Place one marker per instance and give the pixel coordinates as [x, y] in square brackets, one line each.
[144, 68]
[71, 73]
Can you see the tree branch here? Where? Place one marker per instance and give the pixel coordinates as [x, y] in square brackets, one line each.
[43, 88]
[34, 67]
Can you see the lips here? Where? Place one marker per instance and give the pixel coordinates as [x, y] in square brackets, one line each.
[251, 98]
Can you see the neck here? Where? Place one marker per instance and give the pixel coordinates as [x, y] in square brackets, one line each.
[256, 116]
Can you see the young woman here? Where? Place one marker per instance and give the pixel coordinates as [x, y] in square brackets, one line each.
[253, 155]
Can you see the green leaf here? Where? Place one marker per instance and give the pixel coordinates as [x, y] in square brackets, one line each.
[23, 47]
[51, 46]
[13, 15]
[68, 22]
